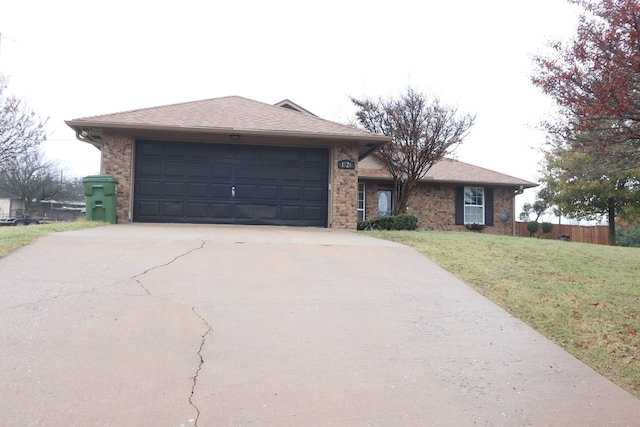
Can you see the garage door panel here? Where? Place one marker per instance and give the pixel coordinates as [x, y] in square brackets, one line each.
[291, 212]
[313, 194]
[197, 210]
[149, 188]
[295, 155]
[199, 171]
[314, 175]
[174, 151]
[150, 151]
[269, 173]
[246, 153]
[312, 213]
[175, 189]
[245, 211]
[198, 190]
[199, 153]
[222, 152]
[292, 174]
[269, 192]
[267, 212]
[314, 156]
[172, 209]
[221, 171]
[221, 211]
[221, 191]
[175, 170]
[149, 208]
[290, 193]
[245, 172]
[267, 155]
[231, 184]
[149, 169]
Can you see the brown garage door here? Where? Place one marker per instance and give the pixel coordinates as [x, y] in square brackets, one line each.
[190, 182]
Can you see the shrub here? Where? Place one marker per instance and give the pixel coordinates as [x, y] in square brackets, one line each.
[474, 226]
[628, 236]
[532, 227]
[398, 222]
[546, 227]
[405, 222]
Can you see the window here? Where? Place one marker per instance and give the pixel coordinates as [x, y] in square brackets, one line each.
[385, 203]
[473, 205]
[361, 202]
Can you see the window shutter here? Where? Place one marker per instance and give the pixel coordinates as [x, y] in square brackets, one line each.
[488, 206]
[459, 202]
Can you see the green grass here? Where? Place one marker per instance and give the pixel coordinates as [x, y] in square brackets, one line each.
[12, 238]
[584, 297]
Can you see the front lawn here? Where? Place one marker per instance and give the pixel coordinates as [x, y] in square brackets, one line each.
[12, 238]
[584, 297]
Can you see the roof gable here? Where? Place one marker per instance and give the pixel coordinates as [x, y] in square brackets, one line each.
[287, 103]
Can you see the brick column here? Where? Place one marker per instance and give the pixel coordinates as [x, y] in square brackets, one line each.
[344, 189]
[117, 157]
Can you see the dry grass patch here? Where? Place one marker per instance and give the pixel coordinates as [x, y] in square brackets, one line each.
[584, 297]
[12, 238]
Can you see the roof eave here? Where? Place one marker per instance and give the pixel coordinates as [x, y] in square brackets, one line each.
[523, 184]
[78, 125]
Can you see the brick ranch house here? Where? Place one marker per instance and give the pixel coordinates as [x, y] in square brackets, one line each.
[233, 160]
[452, 194]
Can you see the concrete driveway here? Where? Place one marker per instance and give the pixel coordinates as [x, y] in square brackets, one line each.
[184, 325]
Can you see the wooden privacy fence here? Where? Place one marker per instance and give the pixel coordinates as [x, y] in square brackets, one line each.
[598, 234]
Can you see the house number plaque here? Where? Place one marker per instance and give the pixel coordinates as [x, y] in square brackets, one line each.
[346, 164]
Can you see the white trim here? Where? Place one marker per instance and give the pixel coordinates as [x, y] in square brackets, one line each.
[465, 205]
[364, 201]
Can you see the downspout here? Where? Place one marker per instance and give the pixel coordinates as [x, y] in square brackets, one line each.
[517, 192]
[91, 136]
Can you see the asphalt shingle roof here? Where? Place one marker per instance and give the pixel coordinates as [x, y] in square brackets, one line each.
[228, 114]
[447, 170]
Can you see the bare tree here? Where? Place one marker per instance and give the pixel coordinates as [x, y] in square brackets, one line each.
[423, 131]
[30, 178]
[21, 130]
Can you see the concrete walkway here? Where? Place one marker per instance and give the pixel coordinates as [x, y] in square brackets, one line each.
[184, 325]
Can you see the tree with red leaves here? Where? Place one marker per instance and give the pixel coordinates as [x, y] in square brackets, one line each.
[595, 81]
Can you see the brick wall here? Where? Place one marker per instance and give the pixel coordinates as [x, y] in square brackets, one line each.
[434, 206]
[503, 203]
[116, 161]
[344, 189]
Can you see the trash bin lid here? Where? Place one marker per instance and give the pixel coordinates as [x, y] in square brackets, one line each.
[99, 178]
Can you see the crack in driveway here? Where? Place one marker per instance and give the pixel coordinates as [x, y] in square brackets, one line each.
[193, 309]
[139, 279]
[177, 257]
[88, 291]
[201, 362]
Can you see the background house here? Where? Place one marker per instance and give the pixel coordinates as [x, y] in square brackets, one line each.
[11, 208]
[451, 195]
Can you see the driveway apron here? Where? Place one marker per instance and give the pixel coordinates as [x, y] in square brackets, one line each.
[186, 325]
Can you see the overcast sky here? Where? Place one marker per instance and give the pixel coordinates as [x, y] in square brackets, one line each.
[70, 59]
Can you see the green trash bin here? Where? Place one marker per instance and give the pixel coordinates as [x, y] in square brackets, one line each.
[100, 198]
